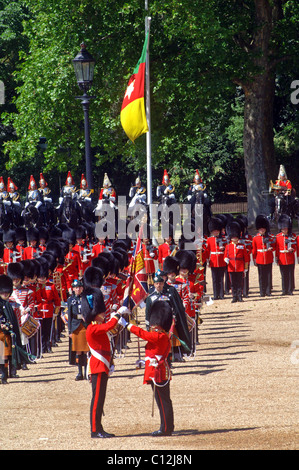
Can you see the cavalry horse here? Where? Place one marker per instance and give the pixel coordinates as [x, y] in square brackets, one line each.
[69, 212]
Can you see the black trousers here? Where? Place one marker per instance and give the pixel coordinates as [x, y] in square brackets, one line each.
[164, 403]
[236, 279]
[246, 284]
[265, 278]
[287, 278]
[218, 281]
[99, 387]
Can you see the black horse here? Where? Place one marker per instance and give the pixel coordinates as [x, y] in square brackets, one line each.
[201, 207]
[69, 212]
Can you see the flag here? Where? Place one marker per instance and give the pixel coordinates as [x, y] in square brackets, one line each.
[132, 115]
[136, 289]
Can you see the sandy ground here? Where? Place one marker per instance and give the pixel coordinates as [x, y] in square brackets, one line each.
[240, 391]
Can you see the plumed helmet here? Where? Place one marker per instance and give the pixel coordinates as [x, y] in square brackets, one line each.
[171, 265]
[69, 179]
[32, 183]
[15, 271]
[6, 284]
[161, 314]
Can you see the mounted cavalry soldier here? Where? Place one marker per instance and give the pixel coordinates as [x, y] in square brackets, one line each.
[137, 193]
[4, 195]
[166, 190]
[69, 189]
[33, 195]
[107, 194]
[46, 209]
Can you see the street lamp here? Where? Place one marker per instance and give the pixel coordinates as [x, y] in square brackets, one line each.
[84, 67]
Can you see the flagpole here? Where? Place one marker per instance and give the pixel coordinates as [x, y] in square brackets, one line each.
[148, 116]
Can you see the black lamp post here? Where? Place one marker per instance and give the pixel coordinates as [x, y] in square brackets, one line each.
[84, 67]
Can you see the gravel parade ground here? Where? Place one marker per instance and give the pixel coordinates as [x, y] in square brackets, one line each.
[239, 392]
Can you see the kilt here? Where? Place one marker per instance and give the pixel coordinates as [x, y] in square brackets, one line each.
[79, 342]
[6, 340]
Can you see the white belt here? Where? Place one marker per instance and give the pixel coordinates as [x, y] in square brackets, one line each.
[217, 252]
[285, 251]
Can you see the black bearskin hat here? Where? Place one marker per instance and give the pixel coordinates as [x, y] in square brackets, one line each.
[215, 224]
[9, 236]
[70, 236]
[171, 265]
[55, 232]
[80, 232]
[56, 249]
[262, 221]
[102, 263]
[43, 233]
[93, 277]
[285, 221]
[20, 234]
[92, 304]
[32, 234]
[6, 284]
[187, 260]
[29, 270]
[161, 314]
[51, 260]
[233, 230]
[1, 249]
[15, 271]
[44, 267]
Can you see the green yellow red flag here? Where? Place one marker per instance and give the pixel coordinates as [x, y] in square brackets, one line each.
[132, 115]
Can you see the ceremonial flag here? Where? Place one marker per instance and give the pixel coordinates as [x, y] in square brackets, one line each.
[136, 286]
[132, 115]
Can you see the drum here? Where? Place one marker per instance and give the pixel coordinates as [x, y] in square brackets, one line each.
[190, 322]
[30, 326]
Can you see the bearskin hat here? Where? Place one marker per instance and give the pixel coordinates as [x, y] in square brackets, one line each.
[20, 234]
[55, 232]
[233, 230]
[6, 284]
[102, 263]
[29, 270]
[56, 249]
[124, 255]
[243, 218]
[70, 236]
[119, 266]
[43, 233]
[9, 236]
[262, 221]
[187, 260]
[32, 234]
[92, 303]
[161, 314]
[171, 265]
[214, 224]
[285, 221]
[15, 271]
[44, 267]
[120, 244]
[51, 260]
[110, 258]
[36, 266]
[93, 277]
[1, 249]
[80, 232]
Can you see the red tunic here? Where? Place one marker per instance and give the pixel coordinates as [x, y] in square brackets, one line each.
[215, 251]
[98, 340]
[237, 255]
[158, 345]
[262, 249]
[50, 299]
[286, 248]
[148, 259]
[164, 251]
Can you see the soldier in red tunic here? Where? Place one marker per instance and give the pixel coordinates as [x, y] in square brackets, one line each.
[286, 249]
[157, 371]
[215, 256]
[32, 250]
[237, 259]
[263, 247]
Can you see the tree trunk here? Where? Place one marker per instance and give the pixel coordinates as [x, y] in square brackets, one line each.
[259, 92]
[258, 143]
